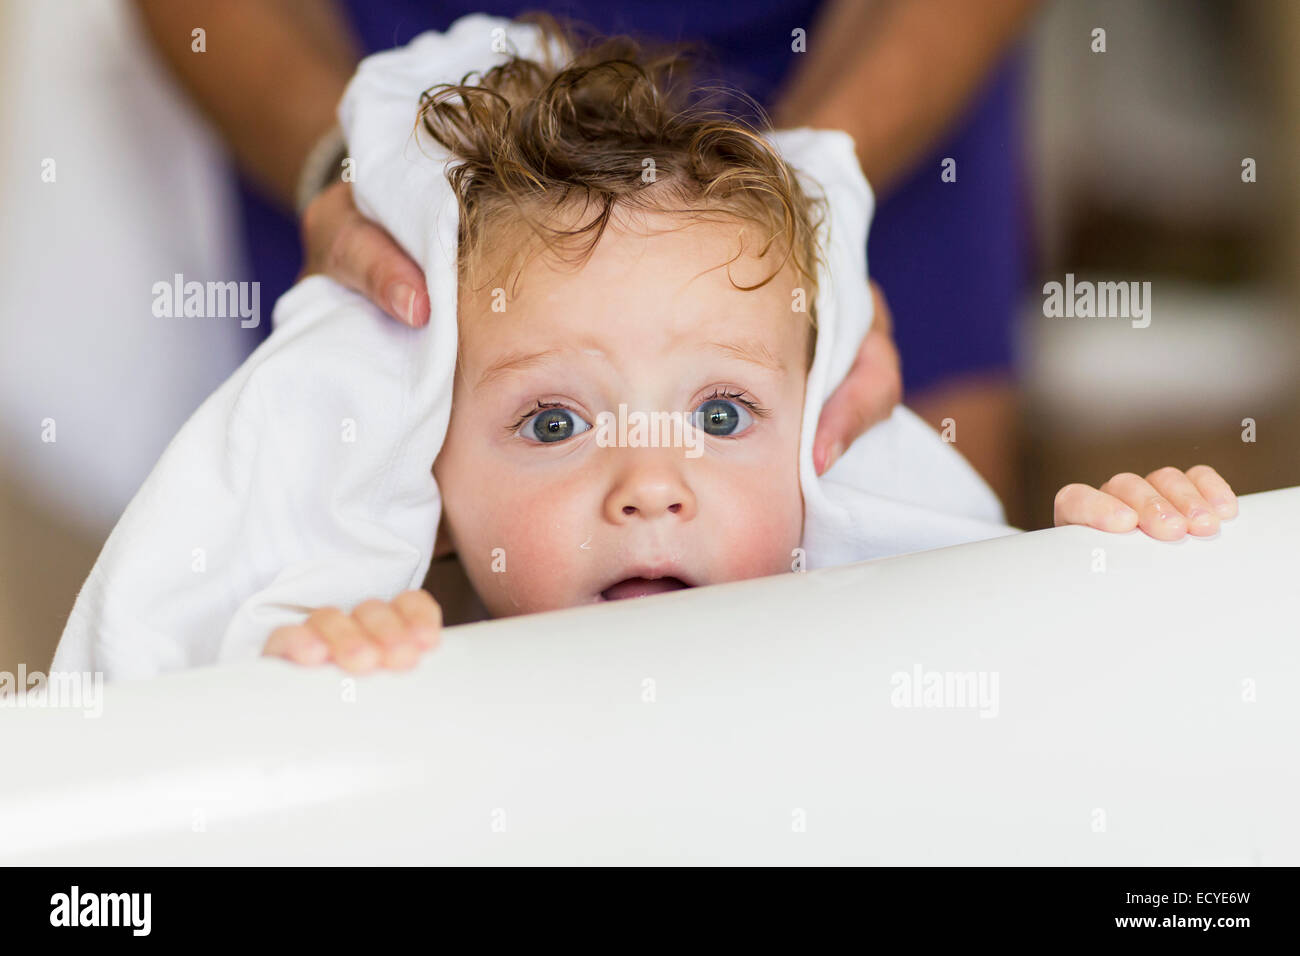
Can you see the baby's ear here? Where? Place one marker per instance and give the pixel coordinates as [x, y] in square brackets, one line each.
[442, 545]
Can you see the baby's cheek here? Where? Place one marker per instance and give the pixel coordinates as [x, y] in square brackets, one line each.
[536, 561]
[761, 530]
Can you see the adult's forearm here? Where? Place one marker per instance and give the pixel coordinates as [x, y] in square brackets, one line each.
[270, 78]
[896, 73]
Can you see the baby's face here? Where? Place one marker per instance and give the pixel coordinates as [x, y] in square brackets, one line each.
[545, 507]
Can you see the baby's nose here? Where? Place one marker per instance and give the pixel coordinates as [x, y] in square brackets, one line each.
[650, 493]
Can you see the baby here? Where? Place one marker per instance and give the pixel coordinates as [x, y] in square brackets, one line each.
[624, 249]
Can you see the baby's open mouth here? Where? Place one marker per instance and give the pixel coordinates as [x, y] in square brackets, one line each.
[640, 587]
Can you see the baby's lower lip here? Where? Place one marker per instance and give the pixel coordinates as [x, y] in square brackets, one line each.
[641, 587]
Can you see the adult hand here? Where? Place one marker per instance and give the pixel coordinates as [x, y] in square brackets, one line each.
[338, 241]
[868, 393]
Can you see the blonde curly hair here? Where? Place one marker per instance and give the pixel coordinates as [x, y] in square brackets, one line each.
[578, 131]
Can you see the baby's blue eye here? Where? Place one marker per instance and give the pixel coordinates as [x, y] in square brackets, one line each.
[552, 425]
[722, 418]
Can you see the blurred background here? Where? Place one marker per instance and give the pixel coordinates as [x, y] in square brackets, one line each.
[1134, 161]
[1137, 175]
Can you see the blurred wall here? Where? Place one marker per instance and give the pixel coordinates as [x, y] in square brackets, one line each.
[1138, 167]
[108, 184]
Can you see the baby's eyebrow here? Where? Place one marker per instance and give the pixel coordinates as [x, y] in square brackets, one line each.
[753, 351]
[514, 362]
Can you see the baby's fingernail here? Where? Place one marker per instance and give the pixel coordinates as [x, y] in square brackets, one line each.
[1125, 515]
[363, 655]
[1224, 507]
[1200, 518]
[314, 652]
[402, 656]
[401, 299]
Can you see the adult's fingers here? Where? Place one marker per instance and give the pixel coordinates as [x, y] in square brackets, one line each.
[881, 319]
[341, 243]
[868, 393]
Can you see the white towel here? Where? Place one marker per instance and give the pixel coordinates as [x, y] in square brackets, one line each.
[305, 480]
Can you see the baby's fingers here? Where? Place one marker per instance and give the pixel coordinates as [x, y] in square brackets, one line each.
[422, 614]
[349, 645]
[1178, 488]
[1216, 491]
[397, 642]
[297, 643]
[1156, 516]
[1080, 504]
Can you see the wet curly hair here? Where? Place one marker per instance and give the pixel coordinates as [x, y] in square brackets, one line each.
[579, 130]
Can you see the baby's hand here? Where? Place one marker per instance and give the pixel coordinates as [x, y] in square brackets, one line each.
[376, 634]
[1167, 504]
